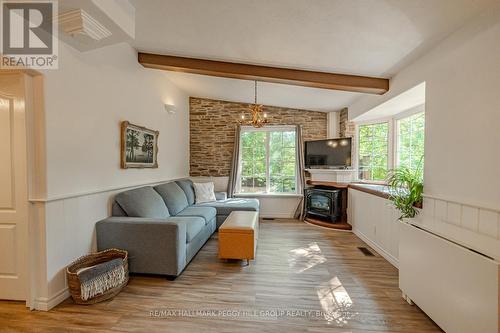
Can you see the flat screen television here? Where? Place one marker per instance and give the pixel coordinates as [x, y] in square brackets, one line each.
[328, 154]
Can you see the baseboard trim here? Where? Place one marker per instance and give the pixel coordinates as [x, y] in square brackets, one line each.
[45, 304]
[387, 256]
[276, 216]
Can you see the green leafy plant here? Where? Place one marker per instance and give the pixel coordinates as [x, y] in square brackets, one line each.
[406, 187]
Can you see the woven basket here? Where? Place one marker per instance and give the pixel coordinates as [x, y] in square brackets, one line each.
[91, 260]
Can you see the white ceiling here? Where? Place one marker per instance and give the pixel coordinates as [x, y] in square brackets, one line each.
[364, 37]
[407, 100]
[267, 93]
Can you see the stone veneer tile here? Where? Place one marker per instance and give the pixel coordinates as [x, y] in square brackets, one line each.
[347, 129]
[212, 125]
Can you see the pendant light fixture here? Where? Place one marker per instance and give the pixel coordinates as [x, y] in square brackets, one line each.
[259, 118]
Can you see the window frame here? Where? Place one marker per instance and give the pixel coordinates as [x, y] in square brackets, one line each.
[390, 142]
[396, 119]
[268, 130]
[393, 138]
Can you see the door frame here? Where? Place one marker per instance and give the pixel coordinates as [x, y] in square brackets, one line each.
[35, 263]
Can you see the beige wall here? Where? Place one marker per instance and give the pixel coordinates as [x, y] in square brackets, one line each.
[212, 125]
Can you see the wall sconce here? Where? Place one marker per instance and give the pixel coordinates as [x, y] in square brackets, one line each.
[170, 108]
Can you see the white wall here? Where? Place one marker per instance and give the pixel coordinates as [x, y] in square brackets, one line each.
[283, 207]
[333, 124]
[462, 76]
[87, 98]
[85, 101]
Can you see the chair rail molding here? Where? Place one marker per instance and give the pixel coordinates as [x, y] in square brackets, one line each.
[474, 226]
[102, 190]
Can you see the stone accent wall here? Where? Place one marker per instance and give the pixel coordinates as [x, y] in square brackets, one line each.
[347, 128]
[212, 126]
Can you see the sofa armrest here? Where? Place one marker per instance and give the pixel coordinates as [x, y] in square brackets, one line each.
[220, 195]
[155, 246]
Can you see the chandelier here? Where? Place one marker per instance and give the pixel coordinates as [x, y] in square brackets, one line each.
[259, 118]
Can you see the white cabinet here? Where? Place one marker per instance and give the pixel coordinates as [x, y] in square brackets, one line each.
[375, 221]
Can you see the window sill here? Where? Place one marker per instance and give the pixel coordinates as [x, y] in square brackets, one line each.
[371, 182]
[268, 195]
[378, 190]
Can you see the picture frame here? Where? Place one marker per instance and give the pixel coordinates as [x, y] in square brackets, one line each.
[139, 146]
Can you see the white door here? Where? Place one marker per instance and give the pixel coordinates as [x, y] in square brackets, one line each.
[13, 189]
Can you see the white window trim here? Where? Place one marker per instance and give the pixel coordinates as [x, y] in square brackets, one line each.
[393, 139]
[390, 142]
[268, 193]
[396, 119]
[269, 128]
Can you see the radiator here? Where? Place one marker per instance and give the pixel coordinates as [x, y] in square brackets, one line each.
[454, 286]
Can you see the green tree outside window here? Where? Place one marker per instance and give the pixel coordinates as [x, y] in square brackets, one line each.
[411, 137]
[373, 151]
[268, 161]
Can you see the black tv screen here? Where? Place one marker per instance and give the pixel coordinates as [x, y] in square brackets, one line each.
[331, 153]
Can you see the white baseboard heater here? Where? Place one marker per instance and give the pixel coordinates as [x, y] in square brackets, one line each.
[456, 287]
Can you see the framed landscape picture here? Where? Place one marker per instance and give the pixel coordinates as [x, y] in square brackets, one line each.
[139, 146]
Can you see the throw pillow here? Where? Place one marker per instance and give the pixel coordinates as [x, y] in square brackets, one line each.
[204, 192]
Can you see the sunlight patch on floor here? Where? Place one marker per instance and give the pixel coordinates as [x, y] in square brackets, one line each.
[304, 258]
[335, 302]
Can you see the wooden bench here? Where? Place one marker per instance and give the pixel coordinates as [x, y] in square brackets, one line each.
[238, 236]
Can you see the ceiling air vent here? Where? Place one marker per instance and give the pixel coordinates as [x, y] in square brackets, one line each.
[78, 23]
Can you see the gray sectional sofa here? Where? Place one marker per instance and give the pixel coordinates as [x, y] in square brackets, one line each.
[162, 228]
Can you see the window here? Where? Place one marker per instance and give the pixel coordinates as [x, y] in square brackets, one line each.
[394, 142]
[410, 141]
[373, 151]
[267, 160]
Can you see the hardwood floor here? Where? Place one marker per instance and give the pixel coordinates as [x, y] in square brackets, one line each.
[305, 279]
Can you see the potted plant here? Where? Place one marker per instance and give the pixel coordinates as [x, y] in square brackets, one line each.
[406, 188]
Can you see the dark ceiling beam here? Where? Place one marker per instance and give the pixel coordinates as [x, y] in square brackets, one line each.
[298, 77]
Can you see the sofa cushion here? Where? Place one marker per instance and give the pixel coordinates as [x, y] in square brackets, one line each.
[221, 195]
[187, 187]
[174, 197]
[194, 224]
[208, 213]
[225, 207]
[142, 202]
[204, 192]
[116, 210]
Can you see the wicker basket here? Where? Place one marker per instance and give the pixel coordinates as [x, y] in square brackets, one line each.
[91, 260]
